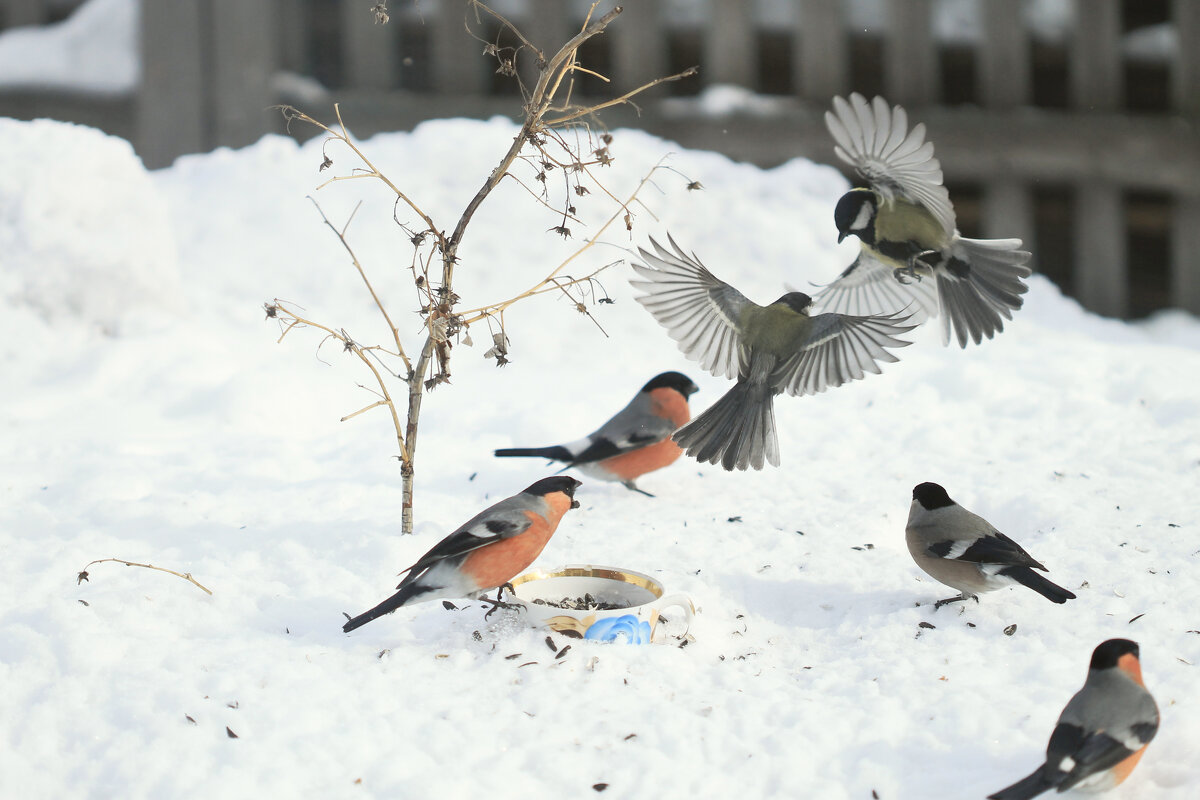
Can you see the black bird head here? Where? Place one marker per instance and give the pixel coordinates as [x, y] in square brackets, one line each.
[855, 214]
[1109, 653]
[931, 496]
[672, 380]
[557, 483]
[796, 301]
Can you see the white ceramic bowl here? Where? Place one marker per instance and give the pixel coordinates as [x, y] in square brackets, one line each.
[639, 599]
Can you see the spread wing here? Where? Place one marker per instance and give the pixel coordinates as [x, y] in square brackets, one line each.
[502, 521]
[841, 348]
[874, 139]
[699, 310]
[868, 286]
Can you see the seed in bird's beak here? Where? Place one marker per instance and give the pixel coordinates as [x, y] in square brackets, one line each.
[574, 504]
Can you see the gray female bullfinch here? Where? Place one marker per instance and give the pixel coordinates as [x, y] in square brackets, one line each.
[964, 551]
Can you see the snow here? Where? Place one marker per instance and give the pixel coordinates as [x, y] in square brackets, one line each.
[94, 50]
[150, 415]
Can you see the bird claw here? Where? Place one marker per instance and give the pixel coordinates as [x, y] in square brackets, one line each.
[956, 599]
[498, 603]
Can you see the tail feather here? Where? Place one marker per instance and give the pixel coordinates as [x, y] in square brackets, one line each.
[1047, 589]
[976, 300]
[556, 453]
[406, 593]
[738, 431]
[1030, 786]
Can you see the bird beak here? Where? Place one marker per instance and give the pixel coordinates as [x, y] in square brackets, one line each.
[842, 235]
[574, 503]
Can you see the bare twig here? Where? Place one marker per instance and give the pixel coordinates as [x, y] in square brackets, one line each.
[187, 576]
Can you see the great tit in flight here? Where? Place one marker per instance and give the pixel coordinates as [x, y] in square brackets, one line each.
[768, 349]
[912, 256]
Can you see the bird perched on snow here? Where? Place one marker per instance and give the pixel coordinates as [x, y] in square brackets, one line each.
[1103, 731]
[768, 349]
[486, 552]
[635, 441]
[964, 551]
[906, 225]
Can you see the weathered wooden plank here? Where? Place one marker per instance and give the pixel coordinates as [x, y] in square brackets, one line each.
[458, 67]
[171, 118]
[730, 49]
[822, 68]
[1096, 73]
[1185, 254]
[548, 26]
[23, 12]
[243, 62]
[1101, 274]
[368, 48]
[911, 69]
[638, 42]
[1008, 211]
[1185, 73]
[1004, 56]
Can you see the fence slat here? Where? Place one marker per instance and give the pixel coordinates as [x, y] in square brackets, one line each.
[243, 37]
[1004, 56]
[457, 64]
[170, 112]
[823, 67]
[1185, 254]
[548, 27]
[730, 51]
[293, 20]
[639, 47]
[1185, 77]
[910, 55]
[1101, 273]
[1096, 74]
[1008, 212]
[368, 48]
[22, 12]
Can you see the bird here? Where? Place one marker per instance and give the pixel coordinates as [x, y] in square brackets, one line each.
[635, 441]
[767, 349]
[964, 551]
[911, 254]
[485, 553]
[1103, 731]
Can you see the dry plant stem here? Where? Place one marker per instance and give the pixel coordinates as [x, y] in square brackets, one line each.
[298, 321]
[187, 576]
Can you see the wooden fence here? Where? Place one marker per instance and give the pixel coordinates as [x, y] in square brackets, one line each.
[1092, 157]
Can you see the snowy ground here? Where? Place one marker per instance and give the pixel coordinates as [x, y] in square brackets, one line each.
[148, 414]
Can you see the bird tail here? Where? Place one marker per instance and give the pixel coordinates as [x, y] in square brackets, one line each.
[738, 431]
[406, 593]
[556, 453]
[1047, 589]
[1030, 786]
[980, 287]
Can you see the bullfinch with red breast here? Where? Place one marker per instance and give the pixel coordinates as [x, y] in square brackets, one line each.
[485, 553]
[768, 349]
[1103, 731]
[635, 441]
[964, 551]
[912, 255]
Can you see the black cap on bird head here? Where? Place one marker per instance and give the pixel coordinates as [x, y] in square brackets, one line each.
[672, 380]
[931, 496]
[1107, 654]
[854, 213]
[796, 301]
[556, 483]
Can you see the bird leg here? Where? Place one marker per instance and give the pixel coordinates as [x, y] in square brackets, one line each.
[633, 488]
[919, 266]
[498, 603]
[957, 599]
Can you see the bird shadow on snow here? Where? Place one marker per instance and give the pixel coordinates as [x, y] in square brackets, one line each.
[807, 602]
